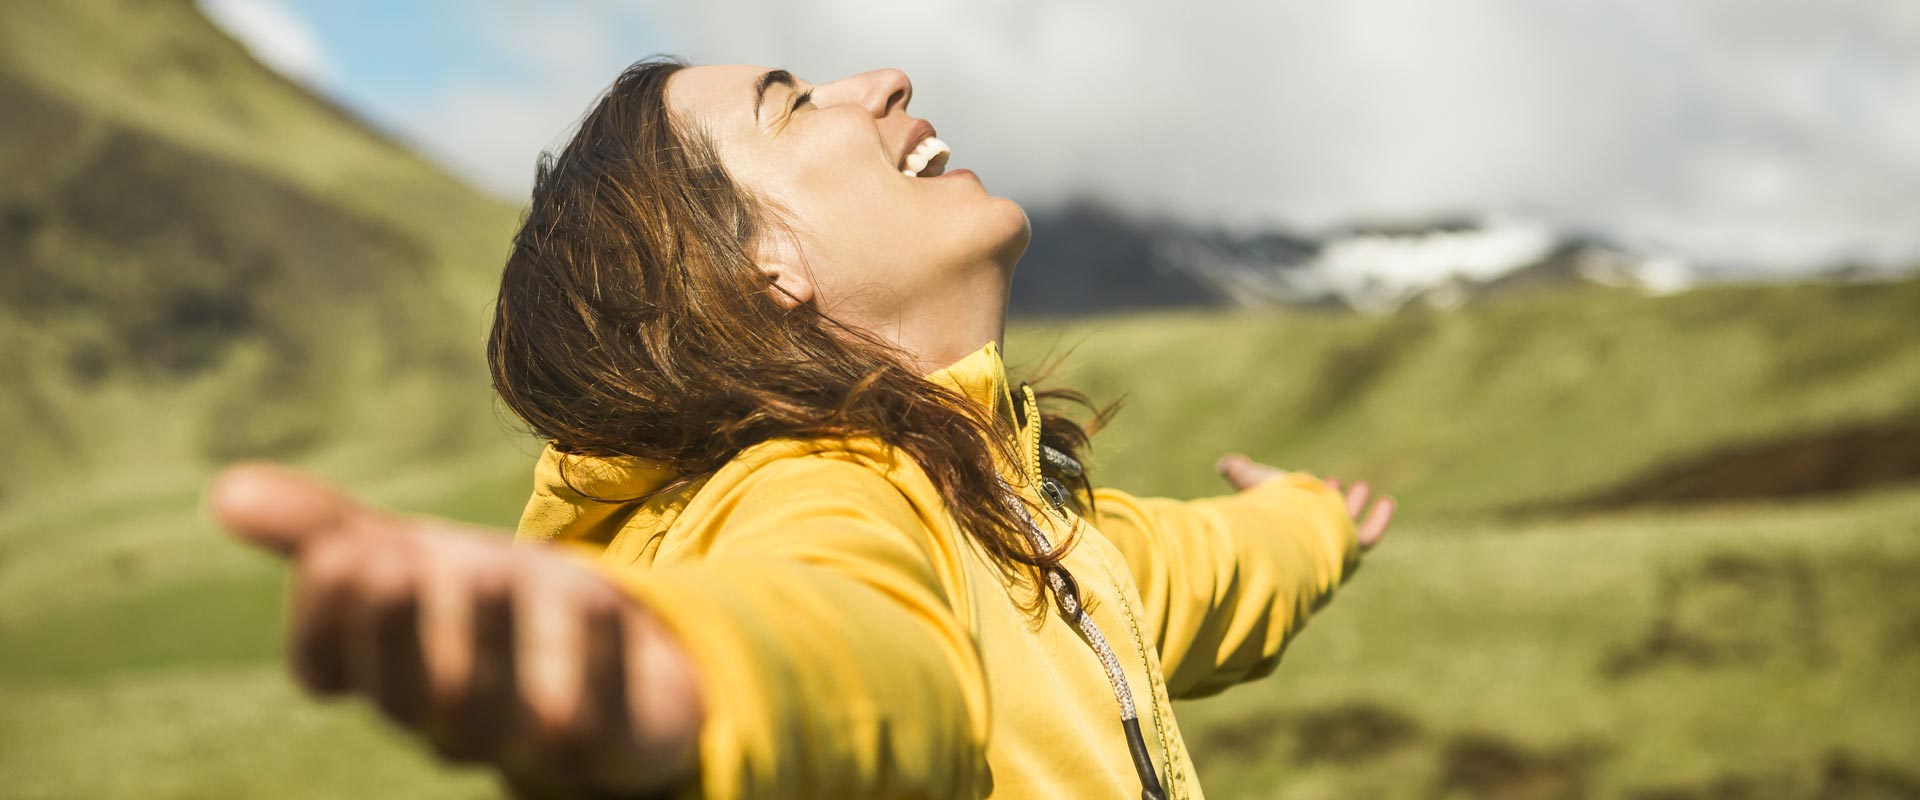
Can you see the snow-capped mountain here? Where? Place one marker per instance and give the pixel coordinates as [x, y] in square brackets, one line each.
[1087, 259]
[1381, 268]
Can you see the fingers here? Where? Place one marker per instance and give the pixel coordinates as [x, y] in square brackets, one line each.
[515, 657]
[387, 664]
[472, 665]
[574, 680]
[554, 616]
[1357, 499]
[278, 508]
[356, 623]
[605, 698]
[463, 611]
[1374, 527]
[1370, 529]
[526, 655]
[323, 596]
[1244, 473]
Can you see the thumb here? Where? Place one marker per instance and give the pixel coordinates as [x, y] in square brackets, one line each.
[1243, 472]
[277, 507]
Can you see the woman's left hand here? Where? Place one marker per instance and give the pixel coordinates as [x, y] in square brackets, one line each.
[1244, 473]
[522, 658]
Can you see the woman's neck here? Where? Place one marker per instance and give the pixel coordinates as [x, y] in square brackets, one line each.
[948, 326]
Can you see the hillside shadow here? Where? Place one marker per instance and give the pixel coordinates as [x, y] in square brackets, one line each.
[1481, 765]
[1826, 463]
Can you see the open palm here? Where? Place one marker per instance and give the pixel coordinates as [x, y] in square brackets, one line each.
[1370, 526]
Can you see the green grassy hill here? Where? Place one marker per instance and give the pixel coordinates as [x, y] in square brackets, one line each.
[1527, 404]
[204, 261]
[1510, 641]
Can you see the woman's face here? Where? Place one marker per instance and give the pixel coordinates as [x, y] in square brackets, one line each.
[872, 247]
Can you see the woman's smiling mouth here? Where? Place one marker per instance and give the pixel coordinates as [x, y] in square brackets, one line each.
[928, 159]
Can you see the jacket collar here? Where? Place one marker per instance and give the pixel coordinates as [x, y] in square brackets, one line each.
[574, 493]
[982, 377]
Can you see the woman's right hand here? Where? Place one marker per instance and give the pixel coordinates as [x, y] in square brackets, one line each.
[1370, 526]
[519, 657]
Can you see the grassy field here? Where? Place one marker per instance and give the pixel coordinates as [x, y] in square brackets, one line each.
[1515, 639]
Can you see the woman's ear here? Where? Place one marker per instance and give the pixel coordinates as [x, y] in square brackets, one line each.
[785, 269]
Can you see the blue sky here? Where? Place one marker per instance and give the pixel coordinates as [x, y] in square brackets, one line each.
[481, 86]
[387, 55]
[1771, 133]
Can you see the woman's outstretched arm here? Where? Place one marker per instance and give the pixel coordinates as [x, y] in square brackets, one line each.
[1227, 581]
[829, 626]
[521, 658]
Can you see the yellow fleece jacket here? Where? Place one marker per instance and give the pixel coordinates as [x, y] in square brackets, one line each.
[852, 641]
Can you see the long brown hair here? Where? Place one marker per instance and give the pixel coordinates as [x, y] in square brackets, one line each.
[632, 320]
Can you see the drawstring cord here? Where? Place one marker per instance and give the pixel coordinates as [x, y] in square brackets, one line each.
[1066, 593]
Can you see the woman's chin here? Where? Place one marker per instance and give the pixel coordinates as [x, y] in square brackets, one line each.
[981, 227]
[1014, 230]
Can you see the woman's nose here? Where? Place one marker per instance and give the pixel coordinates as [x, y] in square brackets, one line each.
[883, 91]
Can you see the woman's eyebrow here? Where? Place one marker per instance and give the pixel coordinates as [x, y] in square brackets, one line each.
[772, 77]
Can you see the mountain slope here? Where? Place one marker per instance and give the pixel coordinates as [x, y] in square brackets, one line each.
[201, 261]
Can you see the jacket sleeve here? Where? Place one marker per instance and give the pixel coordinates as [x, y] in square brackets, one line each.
[832, 662]
[1227, 581]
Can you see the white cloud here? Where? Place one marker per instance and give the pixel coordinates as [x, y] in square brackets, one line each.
[1774, 133]
[278, 37]
[1766, 132]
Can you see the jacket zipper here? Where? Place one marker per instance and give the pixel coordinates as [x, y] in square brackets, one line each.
[1067, 590]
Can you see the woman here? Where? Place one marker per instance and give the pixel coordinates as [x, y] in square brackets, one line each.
[803, 538]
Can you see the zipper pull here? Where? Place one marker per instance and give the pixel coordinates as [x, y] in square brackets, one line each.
[1055, 493]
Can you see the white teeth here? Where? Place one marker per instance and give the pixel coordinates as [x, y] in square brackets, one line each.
[928, 149]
